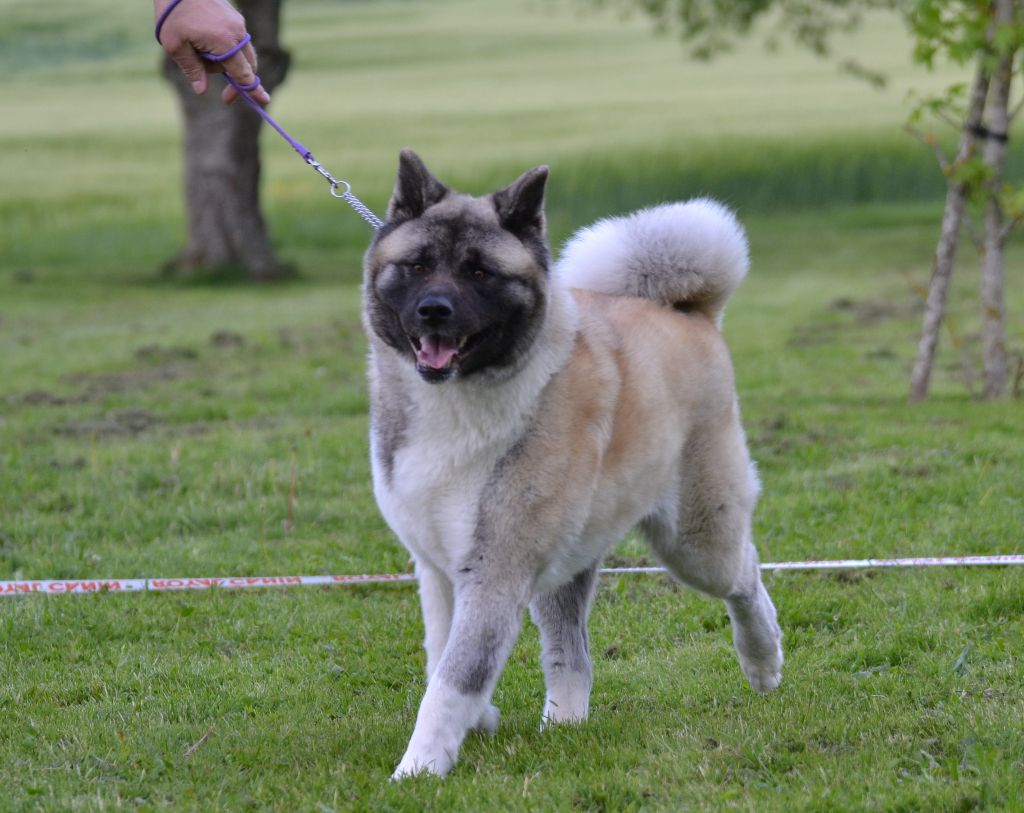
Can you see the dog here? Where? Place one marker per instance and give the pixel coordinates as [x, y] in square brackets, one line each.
[524, 417]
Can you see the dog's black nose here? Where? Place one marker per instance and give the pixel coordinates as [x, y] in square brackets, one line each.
[434, 309]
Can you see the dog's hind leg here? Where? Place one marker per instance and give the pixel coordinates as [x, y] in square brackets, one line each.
[705, 540]
[561, 617]
[485, 624]
[755, 628]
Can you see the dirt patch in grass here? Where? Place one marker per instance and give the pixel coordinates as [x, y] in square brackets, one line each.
[129, 422]
[96, 386]
[813, 335]
[161, 364]
[778, 435]
[849, 576]
[116, 423]
[158, 353]
[338, 335]
[873, 311]
[862, 313]
[44, 398]
[914, 470]
[227, 339]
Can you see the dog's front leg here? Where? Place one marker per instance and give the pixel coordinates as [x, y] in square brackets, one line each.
[437, 598]
[484, 628]
[436, 601]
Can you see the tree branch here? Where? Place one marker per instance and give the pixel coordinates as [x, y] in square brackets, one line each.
[1016, 109]
[972, 232]
[1009, 226]
[932, 143]
[952, 122]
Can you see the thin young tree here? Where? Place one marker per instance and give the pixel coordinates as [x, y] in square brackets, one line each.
[989, 33]
[226, 227]
[958, 192]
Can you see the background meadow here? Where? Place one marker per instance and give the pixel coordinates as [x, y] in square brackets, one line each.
[150, 427]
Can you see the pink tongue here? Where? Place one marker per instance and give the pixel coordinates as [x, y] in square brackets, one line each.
[436, 351]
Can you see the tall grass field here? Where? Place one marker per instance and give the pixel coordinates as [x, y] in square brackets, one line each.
[157, 427]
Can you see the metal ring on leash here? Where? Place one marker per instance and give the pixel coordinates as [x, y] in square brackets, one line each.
[334, 189]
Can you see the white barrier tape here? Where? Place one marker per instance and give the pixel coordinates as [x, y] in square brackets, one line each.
[860, 564]
[63, 586]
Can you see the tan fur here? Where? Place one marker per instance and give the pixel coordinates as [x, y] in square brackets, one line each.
[642, 382]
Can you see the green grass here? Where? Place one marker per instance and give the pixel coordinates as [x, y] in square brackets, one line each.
[149, 427]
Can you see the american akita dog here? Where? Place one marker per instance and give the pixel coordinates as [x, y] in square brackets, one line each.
[524, 419]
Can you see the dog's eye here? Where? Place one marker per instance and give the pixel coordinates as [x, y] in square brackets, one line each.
[417, 268]
[480, 273]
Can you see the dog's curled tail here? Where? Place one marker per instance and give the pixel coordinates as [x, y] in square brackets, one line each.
[690, 255]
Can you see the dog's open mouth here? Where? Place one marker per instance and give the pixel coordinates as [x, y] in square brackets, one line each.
[436, 354]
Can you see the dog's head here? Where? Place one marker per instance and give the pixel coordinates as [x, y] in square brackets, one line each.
[456, 284]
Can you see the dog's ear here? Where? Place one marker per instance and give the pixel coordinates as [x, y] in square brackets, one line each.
[520, 206]
[416, 190]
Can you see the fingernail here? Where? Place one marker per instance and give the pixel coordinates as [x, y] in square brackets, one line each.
[197, 87]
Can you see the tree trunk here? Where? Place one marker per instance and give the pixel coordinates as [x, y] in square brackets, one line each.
[949, 237]
[993, 330]
[226, 228]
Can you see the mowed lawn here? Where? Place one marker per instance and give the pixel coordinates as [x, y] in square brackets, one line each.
[151, 427]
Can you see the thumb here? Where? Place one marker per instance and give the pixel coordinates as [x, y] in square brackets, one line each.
[192, 66]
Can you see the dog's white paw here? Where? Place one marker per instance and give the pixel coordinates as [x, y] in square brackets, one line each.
[764, 674]
[489, 719]
[567, 701]
[422, 764]
[552, 717]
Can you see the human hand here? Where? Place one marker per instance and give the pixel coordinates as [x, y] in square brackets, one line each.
[198, 27]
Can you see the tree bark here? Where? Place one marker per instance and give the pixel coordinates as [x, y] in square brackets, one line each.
[949, 238]
[226, 228]
[993, 329]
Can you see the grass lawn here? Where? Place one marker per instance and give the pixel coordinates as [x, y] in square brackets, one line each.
[158, 428]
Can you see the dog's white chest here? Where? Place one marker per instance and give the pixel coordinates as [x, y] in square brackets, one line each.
[431, 499]
[451, 441]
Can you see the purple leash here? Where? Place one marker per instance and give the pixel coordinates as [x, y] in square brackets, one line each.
[339, 188]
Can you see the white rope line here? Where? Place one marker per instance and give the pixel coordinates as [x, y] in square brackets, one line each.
[65, 586]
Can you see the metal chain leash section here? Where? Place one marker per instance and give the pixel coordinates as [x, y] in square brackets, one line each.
[67, 586]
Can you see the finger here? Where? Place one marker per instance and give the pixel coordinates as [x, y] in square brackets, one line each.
[250, 55]
[193, 67]
[230, 95]
[241, 71]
